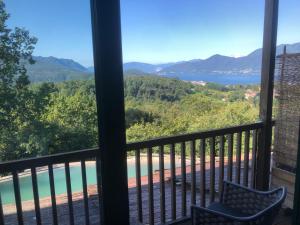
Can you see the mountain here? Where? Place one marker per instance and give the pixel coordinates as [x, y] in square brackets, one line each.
[64, 63]
[135, 72]
[224, 65]
[212, 69]
[56, 70]
[145, 67]
[91, 69]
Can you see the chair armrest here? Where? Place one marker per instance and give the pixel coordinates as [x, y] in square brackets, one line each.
[204, 216]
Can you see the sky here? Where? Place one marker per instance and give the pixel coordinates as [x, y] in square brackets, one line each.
[155, 31]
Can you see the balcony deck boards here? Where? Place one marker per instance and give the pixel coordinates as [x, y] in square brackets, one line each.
[63, 213]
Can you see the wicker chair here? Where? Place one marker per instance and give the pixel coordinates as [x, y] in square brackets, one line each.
[240, 206]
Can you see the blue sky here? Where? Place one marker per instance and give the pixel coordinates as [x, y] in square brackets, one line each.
[155, 31]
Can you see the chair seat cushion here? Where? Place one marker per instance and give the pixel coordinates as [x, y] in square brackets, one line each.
[226, 210]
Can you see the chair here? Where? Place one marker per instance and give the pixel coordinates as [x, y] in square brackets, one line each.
[240, 206]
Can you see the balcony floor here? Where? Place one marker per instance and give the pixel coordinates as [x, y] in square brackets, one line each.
[282, 219]
[63, 215]
[63, 212]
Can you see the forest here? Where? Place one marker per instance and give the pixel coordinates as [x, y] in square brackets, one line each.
[58, 117]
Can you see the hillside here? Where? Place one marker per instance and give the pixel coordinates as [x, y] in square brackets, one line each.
[62, 116]
[56, 70]
[217, 68]
[156, 88]
[146, 67]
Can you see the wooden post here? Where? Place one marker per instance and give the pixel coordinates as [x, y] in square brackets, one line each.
[106, 27]
[266, 94]
[296, 212]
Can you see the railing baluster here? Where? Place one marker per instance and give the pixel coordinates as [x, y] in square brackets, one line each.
[238, 158]
[18, 197]
[1, 212]
[253, 160]
[99, 183]
[162, 184]
[69, 192]
[138, 185]
[212, 169]
[221, 165]
[150, 186]
[230, 155]
[202, 173]
[173, 181]
[36, 196]
[85, 193]
[246, 158]
[183, 181]
[193, 173]
[53, 195]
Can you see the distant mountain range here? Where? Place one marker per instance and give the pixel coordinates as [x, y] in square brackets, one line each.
[57, 70]
[214, 65]
[146, 67]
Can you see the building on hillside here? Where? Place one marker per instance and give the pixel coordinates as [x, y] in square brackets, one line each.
[251, 94]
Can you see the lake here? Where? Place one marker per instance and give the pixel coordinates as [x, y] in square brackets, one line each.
[225, 79]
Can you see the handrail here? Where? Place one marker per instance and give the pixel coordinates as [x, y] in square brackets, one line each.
[23, 164]
[192, 136]
[90, 153]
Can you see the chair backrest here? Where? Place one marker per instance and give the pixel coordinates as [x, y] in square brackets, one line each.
[262, 208]
[268, 215]
[251, 202]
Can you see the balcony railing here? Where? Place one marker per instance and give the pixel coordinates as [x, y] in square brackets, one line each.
[198, 182]
[16, 167]
[171, 173]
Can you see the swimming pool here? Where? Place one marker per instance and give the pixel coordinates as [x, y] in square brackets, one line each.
[7, 191]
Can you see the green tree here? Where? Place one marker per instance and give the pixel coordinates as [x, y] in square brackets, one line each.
[72, 111]
[16, 99]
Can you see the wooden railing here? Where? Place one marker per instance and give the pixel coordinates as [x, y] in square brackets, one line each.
[15, 167]
[196, 183]
[190, 170]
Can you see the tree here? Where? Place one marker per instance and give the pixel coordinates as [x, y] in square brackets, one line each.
[16, 48]
[72, 110]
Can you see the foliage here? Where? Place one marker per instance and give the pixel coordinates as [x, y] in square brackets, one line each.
[19, 112]
[68, 120]
[134, 115]
[74, 113]
[154, 87]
